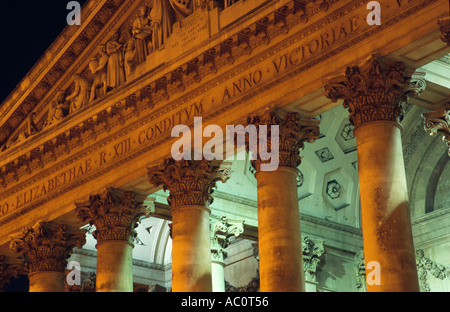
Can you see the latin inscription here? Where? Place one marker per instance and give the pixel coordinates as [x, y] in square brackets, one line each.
[114, 152]
[292, 58]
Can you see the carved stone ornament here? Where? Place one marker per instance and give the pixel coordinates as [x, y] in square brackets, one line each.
[312, 250]
[438, 121]
[371, 91]
[190, 182]
[9, 268]
[360, 271]
[293, 133]
[425, 266]
[444, 24]
[222, 229]
[115, 214]
[47, 246]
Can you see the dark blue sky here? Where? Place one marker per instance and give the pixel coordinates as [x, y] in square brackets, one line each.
[27, 29]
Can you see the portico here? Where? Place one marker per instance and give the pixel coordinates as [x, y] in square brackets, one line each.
[105, 161]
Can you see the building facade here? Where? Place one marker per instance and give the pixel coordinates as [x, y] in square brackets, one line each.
[116, 173]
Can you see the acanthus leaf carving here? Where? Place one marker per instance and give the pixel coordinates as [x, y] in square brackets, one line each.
[190, 182]
[115, 214]
[371, 91]
[438, 121]
[47, 246]
[222, 230]
[293, 133]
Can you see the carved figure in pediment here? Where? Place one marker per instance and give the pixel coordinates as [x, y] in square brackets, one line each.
[161, 17]
[80, 95]
[59, 108]
[142, 34]
[181, 8]
[115, 71]
[130, 54]
[28, 130]
[98, 68]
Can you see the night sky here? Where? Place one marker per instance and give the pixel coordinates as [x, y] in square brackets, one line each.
[27, 29]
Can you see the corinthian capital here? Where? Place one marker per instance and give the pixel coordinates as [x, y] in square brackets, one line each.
[47, 246]
[371, 91]
[190, 182]
[115, 214]
[222, 229]
[444, 24]
[438, 121]
[293, 132]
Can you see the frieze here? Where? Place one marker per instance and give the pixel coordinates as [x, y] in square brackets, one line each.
[98, 158]
[296, 54]
[299, 52]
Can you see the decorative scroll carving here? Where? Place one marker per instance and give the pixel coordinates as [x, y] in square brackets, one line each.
[293, 133]
[425, 266]
[371, 91]
[312, 251]
[88, 284]
[9, 269]
[438, 121]
[360, 271]
[190, 182]
[444, 24]
[47, 246]
[115, 214]
[222, 229]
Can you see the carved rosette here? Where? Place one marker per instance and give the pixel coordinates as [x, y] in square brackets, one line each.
[190, 182]
[46, 246]
[293, 133]
[438, 121]
[444, 24]
[222, 229]
[115, 214]
[371, 91]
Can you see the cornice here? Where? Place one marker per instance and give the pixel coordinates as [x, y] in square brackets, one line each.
[144, 99]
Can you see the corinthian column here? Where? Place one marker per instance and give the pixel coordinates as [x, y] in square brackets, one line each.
[373, 93]
[222, 229]
[47, 246]
[115, 214]
[190, 183]
[279, 238]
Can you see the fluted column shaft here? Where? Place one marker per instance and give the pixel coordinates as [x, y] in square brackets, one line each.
[115, 214]
[47, 246]
[279, 236]
[190, 183]
[374, 93]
